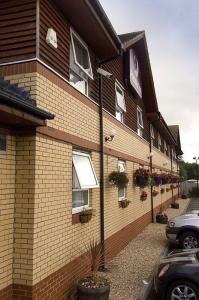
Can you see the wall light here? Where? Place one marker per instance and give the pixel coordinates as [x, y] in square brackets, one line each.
[111, 135]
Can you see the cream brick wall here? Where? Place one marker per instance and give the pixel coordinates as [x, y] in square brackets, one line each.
[74, 117]
[7, 198]
[24, 210]
[56, 240]
[45, 239]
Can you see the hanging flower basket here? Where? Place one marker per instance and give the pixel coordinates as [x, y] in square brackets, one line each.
[162, 191]
[119, 179]
[155, 193]
[167, 189]
[165, 178]
[124, 203]
[141, 177]
[156, 179]
[172, 186]
[143, 196]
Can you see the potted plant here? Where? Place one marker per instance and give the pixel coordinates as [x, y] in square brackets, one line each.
[155, 193]
[124, 203]
[143, 196]
[156, 179]
[119, 179]
[171, 186]
[175, 205]
[85, 215]
[167, 189]
[141, 177]
[161, 218]
[162, 190]
[93, 286]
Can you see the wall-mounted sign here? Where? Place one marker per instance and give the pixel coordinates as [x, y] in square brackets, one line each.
[51, 38]
[132, 72]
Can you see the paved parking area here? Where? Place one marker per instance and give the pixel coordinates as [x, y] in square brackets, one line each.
[136, 262]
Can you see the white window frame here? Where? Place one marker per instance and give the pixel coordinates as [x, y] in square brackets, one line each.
[165, 147]
[122, 162]
[140, 126]
[73, 33]
[118, 108]
[84, 207]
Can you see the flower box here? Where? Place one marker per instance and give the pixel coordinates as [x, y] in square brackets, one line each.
[124, 203]
[85, 216]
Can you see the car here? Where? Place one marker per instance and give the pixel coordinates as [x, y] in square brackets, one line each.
[184, 230]
[176, 276]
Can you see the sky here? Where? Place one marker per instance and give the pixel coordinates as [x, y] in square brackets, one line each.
[172, 33]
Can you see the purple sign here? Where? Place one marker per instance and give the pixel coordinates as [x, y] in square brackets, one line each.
[132, 72]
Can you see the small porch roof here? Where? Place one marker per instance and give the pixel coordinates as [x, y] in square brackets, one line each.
[18, 109]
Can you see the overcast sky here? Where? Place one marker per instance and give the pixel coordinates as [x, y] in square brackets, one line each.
[172, 32]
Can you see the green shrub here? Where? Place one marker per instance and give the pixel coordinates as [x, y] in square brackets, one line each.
[194, 192]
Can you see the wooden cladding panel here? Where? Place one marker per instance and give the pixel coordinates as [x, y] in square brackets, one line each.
[51, 17]
[17, 30]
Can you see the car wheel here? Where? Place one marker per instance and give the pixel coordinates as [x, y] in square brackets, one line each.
[189, 240]
[182, 290]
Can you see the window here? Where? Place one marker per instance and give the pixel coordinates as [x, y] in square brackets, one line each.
[79, 83]
[165, 147]
[3, 142]
[121, 191]
[81, 54]
[152, 134]
[140, 125]
[159, 142]
[120, 103]
[84, 178]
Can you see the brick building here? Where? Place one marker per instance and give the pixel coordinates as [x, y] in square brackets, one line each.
[51, 141]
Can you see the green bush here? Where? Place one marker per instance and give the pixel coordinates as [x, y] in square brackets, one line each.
[194, 192]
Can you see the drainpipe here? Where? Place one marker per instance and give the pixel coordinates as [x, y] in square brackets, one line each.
[151, 169]
[101, 120]
[171, 169]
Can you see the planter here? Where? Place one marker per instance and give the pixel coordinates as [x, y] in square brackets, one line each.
[85, 217]
[119, 179]
[101, 293]
[175, 205]
[167, 189]
[172, 186]
[161, 218]
[124, 203]
[184, 196]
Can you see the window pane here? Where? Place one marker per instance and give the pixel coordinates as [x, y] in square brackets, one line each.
[81, 54]
[84, 170]
[120, 98]
[76, 184]
[121, 192]
[80, 198]
[79, 83]
[119, 115]
[139, 115]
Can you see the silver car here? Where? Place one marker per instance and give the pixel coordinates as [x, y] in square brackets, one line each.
[184, 230]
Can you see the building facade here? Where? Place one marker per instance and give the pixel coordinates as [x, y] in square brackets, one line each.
[51, 138]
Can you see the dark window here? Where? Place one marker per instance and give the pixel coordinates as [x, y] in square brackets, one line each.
[2, 142]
